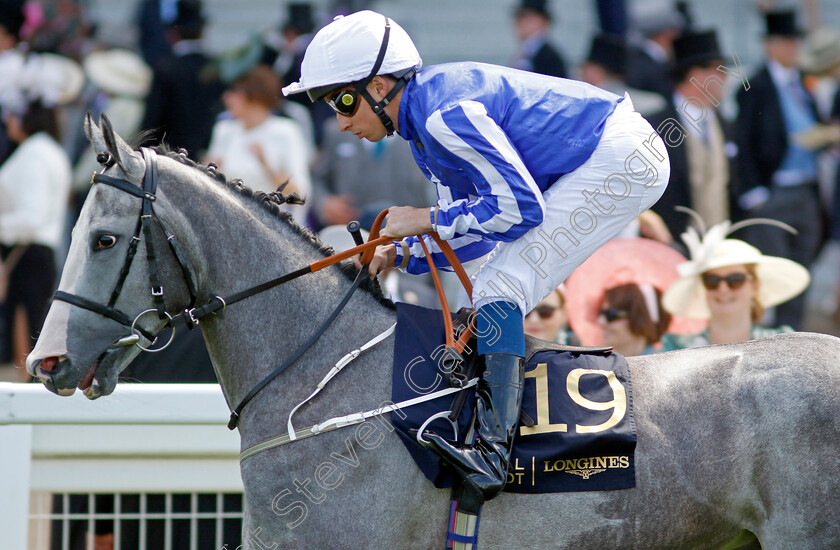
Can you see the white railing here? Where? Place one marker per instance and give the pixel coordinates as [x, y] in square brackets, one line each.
[144, 438]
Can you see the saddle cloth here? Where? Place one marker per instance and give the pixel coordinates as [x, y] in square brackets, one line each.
[583, 436]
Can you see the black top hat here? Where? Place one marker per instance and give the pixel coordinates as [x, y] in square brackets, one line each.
[609, 51]
[189, 17]
[537, 6]
[782, 23]
[11, 16]
[300, 18]
[694, 49]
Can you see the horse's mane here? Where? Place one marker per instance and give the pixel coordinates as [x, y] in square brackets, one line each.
[272, 203]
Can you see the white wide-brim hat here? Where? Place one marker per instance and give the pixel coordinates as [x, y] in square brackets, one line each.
[779, 279]
[346, 50]
[55, 79]
[50, 78]
[119, 72]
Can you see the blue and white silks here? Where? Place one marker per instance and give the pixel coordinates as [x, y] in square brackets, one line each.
[493, 140]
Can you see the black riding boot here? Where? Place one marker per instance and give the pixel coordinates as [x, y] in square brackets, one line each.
[483, 467]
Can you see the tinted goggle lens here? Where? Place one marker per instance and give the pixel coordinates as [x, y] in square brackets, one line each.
[733, 280]
[345, 102]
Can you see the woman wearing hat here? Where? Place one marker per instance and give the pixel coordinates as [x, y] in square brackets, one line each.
[632, 318]
[729, 282]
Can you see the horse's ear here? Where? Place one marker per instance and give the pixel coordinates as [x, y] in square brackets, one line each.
[125, 157]
[94, 135]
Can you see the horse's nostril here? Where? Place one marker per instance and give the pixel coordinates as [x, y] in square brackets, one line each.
[47, 364]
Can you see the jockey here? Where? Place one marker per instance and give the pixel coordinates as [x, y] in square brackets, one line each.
[538, 172]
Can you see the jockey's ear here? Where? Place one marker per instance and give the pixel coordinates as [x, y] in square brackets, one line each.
[381, 86]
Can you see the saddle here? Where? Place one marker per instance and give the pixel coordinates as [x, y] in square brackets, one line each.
[576, 430]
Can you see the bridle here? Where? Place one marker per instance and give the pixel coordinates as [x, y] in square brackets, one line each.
[145, 220]
[192, 315]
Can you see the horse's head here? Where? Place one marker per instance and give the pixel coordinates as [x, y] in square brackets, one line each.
[111, 297]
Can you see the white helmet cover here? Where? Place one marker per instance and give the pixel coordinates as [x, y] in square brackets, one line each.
[345, 51]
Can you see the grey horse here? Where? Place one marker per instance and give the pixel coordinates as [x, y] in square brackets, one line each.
[737, 445]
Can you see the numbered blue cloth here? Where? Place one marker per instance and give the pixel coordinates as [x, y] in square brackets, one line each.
[583, 437]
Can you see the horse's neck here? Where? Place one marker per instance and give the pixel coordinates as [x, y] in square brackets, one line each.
[242, 245]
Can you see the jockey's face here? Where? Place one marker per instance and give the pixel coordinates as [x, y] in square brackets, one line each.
[365, 123]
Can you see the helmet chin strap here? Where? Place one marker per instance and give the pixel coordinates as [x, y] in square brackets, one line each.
[361, 88]
[379, 106]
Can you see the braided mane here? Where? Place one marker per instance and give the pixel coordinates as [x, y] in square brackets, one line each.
[272, 203]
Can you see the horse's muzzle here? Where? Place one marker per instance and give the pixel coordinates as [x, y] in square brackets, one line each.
[54, 372]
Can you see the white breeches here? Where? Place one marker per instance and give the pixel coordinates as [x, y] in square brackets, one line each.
[626, 175]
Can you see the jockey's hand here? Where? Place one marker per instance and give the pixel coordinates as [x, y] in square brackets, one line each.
[403, 221]
[384, 258]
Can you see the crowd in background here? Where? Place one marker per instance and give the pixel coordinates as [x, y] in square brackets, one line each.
[772, 156]
[758, 177]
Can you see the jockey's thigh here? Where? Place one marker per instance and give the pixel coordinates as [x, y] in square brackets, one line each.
[626, 175]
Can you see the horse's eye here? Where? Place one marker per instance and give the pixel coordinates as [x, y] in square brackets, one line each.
[106, 241]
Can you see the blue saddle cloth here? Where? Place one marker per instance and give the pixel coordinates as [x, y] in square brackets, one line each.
[583, 437]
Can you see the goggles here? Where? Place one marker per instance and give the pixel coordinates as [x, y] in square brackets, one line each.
[345, 102]
[612, 314]
[544, 311]
[733, 280]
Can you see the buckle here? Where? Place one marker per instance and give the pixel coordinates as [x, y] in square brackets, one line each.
[451, 363]
[193, 320]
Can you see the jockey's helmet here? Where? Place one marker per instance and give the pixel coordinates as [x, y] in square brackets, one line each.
[351, 51]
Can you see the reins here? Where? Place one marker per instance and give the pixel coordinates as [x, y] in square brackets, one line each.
[367, 249]
[193, 315]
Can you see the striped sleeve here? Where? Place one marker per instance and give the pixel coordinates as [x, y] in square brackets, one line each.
[466, 247]
[508, 202]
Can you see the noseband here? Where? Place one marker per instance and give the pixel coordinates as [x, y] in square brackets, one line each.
[144, 223]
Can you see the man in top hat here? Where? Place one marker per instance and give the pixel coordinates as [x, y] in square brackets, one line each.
[605, 67]
[186, 93]
[297, 32]
[655, 25]
[699, 140]
[532, 21]
[777, 175]
[296, 35]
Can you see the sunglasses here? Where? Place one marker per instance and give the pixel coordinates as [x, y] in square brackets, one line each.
[733, 280]
[613, 314]
[345, 102]
[544, 311]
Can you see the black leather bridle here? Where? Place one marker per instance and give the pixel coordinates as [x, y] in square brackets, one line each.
[192, 315]
[145, 220]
